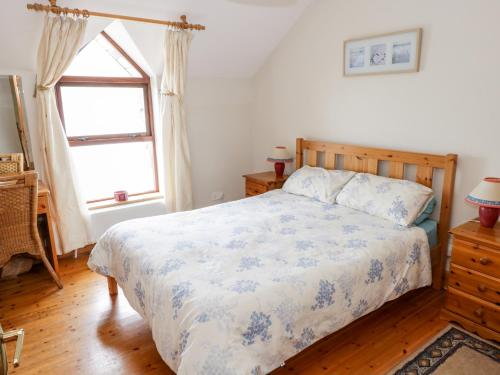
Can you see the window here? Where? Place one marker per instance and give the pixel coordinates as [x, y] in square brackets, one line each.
[104, 100]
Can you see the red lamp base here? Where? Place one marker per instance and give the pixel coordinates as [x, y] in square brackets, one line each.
[488, 216]
[279, 168]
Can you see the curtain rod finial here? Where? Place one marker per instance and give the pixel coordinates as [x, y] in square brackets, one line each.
[53, 3]
[184, 19]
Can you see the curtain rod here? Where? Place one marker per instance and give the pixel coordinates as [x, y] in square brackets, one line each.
[54, 8]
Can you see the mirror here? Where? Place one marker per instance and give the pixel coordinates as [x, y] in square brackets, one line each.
[14, 136]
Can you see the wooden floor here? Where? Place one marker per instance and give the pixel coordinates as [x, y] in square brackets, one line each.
[80, 330]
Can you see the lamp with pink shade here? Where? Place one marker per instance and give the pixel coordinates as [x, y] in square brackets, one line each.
[279, 157]
[486, 195]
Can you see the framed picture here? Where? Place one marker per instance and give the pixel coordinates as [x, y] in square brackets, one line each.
[397, 52]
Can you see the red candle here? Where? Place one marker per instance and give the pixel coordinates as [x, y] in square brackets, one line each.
[121, 196]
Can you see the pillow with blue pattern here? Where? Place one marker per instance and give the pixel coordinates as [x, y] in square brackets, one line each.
[400, 201]
[427, 212]
[317, 183]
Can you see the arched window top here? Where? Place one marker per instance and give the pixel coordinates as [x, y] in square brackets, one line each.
[102, 57]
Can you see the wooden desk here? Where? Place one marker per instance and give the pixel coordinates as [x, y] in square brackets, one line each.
[44, 209]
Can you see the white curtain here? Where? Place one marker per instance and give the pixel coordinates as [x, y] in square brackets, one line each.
[61, 38]
[176, 156]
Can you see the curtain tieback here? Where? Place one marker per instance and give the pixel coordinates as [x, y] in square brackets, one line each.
[40, 88]
[168, 93]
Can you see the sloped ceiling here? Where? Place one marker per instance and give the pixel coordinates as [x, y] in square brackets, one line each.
[240, 34]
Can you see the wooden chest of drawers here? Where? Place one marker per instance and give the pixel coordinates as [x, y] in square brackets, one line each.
[473, 298]
[259, 183]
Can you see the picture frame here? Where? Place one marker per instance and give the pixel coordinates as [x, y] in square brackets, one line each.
[394, 52]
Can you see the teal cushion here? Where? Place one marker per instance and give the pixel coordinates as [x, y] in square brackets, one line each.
[427, 212]
[430, 227]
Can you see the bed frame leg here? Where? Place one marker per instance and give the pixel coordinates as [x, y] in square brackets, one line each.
[112, 286]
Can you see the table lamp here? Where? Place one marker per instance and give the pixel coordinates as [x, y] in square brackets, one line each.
[486, 195]
[279, 157]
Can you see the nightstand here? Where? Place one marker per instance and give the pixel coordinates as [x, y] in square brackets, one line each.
[259, 183]
[473, 296]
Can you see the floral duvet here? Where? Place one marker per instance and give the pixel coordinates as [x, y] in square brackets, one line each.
[240, 287]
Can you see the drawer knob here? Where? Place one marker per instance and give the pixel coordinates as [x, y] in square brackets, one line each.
[481, 288]
[484, 261]
[479, 312]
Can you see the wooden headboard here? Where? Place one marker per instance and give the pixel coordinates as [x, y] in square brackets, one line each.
[369, 160]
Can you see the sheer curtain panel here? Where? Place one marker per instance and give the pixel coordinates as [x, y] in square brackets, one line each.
[176, 155]
[60, 41]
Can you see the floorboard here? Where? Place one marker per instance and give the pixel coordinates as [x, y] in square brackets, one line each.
[81, 330]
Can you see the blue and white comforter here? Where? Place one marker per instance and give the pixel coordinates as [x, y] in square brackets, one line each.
[241, 287]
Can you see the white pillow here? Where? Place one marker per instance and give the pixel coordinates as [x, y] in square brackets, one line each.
[399, 201]
[317, 183]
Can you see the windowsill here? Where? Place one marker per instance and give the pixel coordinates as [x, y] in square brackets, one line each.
[132, 200]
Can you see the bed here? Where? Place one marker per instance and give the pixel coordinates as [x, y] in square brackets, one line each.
[241, 287]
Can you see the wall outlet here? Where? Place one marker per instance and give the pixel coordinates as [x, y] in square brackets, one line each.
[217, 196]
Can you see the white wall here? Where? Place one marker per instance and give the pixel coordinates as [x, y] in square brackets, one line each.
[450, 106]
[219, 117]
[230, 33]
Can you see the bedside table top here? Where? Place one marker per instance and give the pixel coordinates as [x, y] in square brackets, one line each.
[265, 177]
[474, 231]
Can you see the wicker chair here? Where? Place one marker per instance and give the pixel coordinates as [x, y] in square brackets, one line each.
[11, 163]
[18, 219]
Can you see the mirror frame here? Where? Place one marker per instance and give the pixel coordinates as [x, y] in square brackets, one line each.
[21, 120]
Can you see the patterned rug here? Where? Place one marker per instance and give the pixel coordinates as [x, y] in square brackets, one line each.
[455, 352]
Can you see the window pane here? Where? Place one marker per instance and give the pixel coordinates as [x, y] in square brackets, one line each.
[104, 169]
[103, 110]
[100, 59]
